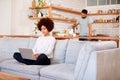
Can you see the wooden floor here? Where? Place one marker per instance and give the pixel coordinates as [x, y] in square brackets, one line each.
[7, 76]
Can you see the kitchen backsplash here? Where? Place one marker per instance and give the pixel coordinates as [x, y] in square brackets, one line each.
[111, 29]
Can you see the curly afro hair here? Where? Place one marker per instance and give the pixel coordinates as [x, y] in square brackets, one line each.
[47, 22]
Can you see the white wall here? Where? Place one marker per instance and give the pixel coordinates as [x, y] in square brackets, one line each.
[20, 22]
[16, 15]
[5, 16]
[75, 4]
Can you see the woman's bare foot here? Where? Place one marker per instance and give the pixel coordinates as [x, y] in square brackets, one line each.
[23, 64]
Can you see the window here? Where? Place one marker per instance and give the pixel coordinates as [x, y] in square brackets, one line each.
[108, 2]
[102, 2]
[118, 1]
[92, 3]
[113, 1]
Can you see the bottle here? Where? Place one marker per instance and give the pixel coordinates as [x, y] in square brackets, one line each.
[117, 19]
[39, 14]
[101, 20]
[33, 3]
[34, 14]
[44, 3]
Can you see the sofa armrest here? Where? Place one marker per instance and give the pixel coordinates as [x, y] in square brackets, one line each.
[108, 64]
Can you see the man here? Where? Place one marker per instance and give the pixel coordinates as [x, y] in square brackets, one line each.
[85, 24]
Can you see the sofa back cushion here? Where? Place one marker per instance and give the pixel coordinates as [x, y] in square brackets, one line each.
[1, 41]
[11, 45]
[82, 61]
[103, 45]
[73, 49]
[60, 51]
[32, 43]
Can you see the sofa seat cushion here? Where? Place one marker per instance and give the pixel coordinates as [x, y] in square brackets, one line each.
[13, 65]
[59, 71]
[3, 58]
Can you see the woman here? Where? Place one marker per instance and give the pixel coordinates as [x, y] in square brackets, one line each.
[43, 49]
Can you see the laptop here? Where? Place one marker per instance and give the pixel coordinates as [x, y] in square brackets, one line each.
[27, 53]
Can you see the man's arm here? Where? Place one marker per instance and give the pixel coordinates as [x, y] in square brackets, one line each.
[75, 25]
[90, 29]
[77, 22]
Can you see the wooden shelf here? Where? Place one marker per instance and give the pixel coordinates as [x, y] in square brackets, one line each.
[64, 19]
[105, 23]
[50, 8]
[39, 7]
[66, 9]
[20, 36]
[58, 8]
[55, 18]
[35, 18]
[94, 14]
[92, 37]
[101, 37]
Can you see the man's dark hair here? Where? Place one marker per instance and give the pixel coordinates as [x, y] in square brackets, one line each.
[84, 11]
[47, 22]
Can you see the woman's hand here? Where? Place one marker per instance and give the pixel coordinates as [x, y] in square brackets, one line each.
[35, 55]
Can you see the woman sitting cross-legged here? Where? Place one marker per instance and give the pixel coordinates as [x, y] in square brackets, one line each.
[43, 49]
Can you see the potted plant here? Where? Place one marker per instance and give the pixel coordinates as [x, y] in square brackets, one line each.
[40, 3]
[35, 28]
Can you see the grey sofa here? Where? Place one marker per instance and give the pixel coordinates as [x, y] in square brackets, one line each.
[69, 62]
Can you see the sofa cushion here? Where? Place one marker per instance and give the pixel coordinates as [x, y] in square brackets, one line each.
[32, 43]
[13, 65]
[91, 67]
[103, 45]
[82, 61]
[3, 58]
[1, 41]
[46, 78]
[59, 51]
[59, 71]
[73, 49]
[11, 45]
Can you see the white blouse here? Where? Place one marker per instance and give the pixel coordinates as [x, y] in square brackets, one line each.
[45, 44]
